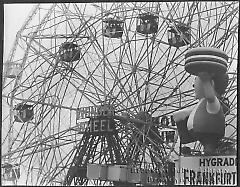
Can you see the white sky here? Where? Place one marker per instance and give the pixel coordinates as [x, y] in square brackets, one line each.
[14, 17]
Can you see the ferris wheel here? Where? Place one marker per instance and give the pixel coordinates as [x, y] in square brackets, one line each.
[90, 85]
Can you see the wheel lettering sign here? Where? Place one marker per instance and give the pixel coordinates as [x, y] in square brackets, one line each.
[84, 112]
[94, 125]
[164, 120]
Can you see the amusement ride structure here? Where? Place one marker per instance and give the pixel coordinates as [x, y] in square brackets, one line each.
[94, 85]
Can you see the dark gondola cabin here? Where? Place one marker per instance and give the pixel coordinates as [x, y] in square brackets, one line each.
[179, 35]
[13, 70]
[112, 28]
[147, 24]
[23, 113]
[170, 136]
[69, 52]
[10, 172]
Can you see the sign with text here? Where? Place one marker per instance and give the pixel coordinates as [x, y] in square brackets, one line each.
[206, 170]
[164, 120]
[143, 176]
[96, 125]
[84, 112]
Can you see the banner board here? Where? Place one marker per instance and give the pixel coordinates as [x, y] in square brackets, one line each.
[98, 125]
[84, 112]
[206, 170]
[123, 173]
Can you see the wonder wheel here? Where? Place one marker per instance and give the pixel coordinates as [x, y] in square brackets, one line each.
[94, 85]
